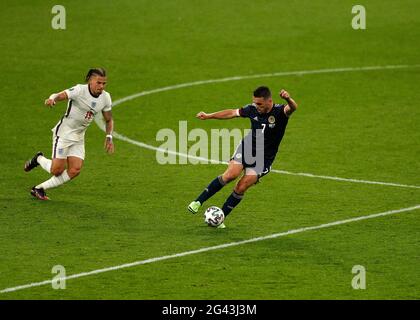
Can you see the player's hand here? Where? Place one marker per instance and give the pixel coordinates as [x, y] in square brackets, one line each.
[284, 94]
[50, 102]
[202, 115]
[109, 145]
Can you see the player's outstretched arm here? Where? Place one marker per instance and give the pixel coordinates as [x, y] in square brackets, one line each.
[56, 97]
[224, 114]
[291, 105]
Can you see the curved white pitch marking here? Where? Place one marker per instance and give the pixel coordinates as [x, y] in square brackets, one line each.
[265, 75]
[308, 175]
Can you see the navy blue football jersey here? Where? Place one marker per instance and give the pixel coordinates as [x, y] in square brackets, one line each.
[272, 126]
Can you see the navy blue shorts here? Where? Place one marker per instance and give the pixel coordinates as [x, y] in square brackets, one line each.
[260, 170]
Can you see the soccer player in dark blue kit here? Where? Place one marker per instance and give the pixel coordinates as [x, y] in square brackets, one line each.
[257, 150]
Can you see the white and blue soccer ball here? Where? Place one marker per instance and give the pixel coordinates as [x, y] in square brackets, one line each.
[214, 216]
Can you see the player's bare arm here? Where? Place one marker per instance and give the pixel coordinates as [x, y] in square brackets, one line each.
[224, 114]
[109, 126]
[291, 105]
[55, 97]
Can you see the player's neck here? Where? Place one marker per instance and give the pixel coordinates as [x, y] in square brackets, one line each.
[91, 93]
[271, 108]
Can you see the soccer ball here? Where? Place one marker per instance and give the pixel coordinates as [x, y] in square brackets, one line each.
[214, 216]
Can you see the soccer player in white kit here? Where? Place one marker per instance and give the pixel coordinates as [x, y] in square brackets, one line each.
[85, 101]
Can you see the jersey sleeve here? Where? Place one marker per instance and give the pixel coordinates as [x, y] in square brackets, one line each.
[282, 114]
[108, 105]
[245, 112]
[73, 92]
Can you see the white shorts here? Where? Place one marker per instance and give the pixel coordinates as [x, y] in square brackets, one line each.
[66, 148]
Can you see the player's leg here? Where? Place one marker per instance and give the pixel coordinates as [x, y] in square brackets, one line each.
[64, 153]
[75, 159]
[55, 166]
[58, 166]
[232, 172]
[236, 196]
[60, 176]
[34, 162]
[74, 166]
[45, 163]
[250, 178]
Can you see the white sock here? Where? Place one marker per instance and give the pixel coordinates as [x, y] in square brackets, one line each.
[54, 181]
[44, 163]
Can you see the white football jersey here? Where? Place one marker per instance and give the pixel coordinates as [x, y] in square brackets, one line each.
[81, 109]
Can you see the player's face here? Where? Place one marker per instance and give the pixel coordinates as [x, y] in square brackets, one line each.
[97, 84]
[262, 105]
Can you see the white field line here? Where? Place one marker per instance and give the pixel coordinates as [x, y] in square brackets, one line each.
[266, 75]
[205, 160]
[217, 247]
[310, 175]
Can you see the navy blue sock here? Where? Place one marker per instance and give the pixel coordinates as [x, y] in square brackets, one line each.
[231, 202]
[211, 189]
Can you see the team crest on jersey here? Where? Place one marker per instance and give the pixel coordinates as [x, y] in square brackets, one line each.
[271, 121]
[93, 104]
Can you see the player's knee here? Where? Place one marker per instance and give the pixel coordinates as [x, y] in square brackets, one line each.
[241, 188]
[56, 171]
[229, 176]
[73, 172]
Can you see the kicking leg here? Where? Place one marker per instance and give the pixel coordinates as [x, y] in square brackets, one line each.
[243, 184]
[232, 172]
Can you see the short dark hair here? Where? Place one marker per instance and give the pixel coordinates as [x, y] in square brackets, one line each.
[262, 92]
[98, 71]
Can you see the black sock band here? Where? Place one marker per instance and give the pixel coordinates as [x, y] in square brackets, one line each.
[231, 202]
[211, 189]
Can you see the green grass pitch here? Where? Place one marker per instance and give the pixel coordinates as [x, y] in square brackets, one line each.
[123, 208]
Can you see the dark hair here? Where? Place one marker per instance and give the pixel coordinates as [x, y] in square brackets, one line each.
[262, 92]
[98, 71]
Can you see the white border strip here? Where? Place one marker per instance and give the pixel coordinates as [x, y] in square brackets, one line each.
[222, 246]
